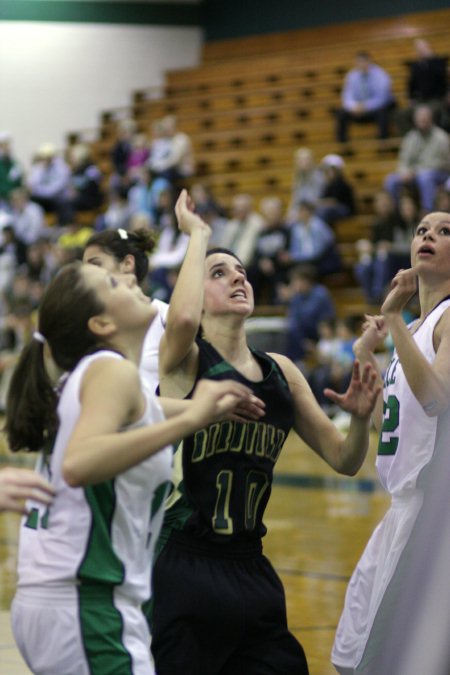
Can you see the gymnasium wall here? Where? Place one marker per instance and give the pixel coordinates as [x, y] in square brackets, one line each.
[61, 64]
[227, 19]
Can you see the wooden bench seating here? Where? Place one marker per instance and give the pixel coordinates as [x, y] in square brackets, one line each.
[370, 32]
[253, 101]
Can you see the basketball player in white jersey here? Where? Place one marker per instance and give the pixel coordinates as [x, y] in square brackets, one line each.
[119, 251]
[85, 560]
[416, 396]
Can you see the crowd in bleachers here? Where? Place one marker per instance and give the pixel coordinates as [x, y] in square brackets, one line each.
[49, 212]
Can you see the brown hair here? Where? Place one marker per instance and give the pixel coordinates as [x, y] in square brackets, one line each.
[120, 243]
[64, 312]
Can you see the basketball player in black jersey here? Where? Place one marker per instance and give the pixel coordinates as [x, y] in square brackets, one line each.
[219, 606]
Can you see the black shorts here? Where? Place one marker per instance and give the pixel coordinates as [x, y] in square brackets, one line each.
[220, 610]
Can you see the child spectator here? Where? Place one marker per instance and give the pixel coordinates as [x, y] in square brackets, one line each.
[267, 268]
[336, 200]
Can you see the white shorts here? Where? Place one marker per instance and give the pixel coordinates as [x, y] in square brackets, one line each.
[58, 632]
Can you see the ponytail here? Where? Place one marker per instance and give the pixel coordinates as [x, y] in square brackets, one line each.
[31, 416]
[64, 313]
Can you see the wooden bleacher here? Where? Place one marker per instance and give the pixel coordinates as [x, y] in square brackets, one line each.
[254, 100]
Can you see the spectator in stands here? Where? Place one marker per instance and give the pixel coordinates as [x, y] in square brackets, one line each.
[380, 258]
[424, 160]
[16, 327]
[211, 211]
[160, 144]
[409, 214]
[121, 149]
[144, 195]
[173, 157]
[85, 190]
[311, 240]
[27, 217]
[267, 268]
[11, 174]
[308, 178]
[139, 154]
[334, 358]
[117, 213]
[42, 261]
[336, 200]
[49, 180]
[242, 229]
[169, 251]
[73, 240]
[308, 304]
[366, 96]
[442, 199]
[205, 200]
[12, 253]
[427, 83]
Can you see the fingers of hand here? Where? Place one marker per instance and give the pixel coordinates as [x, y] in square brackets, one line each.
[367, 374]
[356, 374]
[333, 396]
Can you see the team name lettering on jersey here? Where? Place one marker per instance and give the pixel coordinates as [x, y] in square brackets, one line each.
[390, 374]
[258, 438]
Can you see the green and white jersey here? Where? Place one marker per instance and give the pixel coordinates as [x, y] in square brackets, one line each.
[407, 443]
[408, 434]
[103, 534]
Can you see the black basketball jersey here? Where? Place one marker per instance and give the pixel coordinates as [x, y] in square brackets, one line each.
[224, 472]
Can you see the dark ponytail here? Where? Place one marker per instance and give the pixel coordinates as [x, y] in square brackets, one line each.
[64, 312]
[31, 403]
[120, 243]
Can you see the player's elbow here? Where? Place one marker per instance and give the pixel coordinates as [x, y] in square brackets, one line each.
[73, 473]
[348, 468]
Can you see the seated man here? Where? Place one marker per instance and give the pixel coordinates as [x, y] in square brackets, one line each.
[424, 160]
[426, 83]
[366, 96]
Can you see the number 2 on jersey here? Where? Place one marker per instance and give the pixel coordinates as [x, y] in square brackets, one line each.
[391, 418]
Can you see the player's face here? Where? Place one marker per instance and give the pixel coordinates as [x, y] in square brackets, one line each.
[122, 298]
[430, 247]
[227, 289]
[95, 255]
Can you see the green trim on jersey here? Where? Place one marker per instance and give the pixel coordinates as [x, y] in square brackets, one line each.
[100, 554]
[218, 369]
[101, 623]
[102, 630]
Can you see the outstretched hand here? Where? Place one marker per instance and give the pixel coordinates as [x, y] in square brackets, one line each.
[187, 219]
[403, 287]
[362, 393]
[18, 485]
[227, 399]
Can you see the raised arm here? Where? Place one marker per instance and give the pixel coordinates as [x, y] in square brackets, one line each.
[346, 453]
[429, 382]
[186, 303]
[374, 332]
